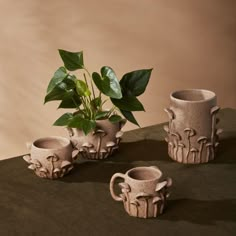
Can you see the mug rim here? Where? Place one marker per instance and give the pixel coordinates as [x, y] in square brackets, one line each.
[209, 92]
[147, 168]
[65, 144]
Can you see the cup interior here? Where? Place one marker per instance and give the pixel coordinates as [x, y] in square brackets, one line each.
[51, 143]
[144, 173]
[194, 95]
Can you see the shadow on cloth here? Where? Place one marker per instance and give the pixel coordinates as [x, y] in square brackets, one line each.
[199, 211]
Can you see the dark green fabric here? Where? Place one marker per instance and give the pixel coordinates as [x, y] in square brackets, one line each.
[203, 200]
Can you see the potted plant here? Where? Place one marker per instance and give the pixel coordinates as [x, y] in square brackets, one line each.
[95, 131]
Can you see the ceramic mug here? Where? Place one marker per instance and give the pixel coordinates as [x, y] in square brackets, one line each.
[142, 192]
[192, 135]
[51, 157]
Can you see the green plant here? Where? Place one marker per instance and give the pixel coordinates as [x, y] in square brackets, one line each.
[81, 95]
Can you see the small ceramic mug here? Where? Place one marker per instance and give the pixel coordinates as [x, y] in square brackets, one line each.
[51, 157]
[142, 192]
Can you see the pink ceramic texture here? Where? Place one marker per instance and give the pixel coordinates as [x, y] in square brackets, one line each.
[51, 157]
[142, 192]
[192, 135]
[100, 143]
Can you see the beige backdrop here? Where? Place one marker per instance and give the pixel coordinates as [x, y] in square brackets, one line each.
[189, 43]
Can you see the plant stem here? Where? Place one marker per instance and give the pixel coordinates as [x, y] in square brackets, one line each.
[91, 83]
[85, 79]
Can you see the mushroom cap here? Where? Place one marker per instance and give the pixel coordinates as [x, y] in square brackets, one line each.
[193, 150]
[156, 199]
[217, 144]
[219, 131]
[143, 195]
[209, 145]
[123, 197]
[160, 185]
[110, 144]
[32, 167]
[170, 113]
[202, 139]
[92, 151]
[53, 158]
[35, 162]
[166, 139]
[65, 163]
[88, 145]
[43, 169]
[190, 131]
[27, 158]
[181, 145]
[136, 203]
[125, 186]
[119, 134]
[215, 109]
[166, 128]
[103, 150]
[56, 170]
[99, 132]
[176, 135]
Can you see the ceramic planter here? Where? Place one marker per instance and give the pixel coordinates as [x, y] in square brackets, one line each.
[142, 192]
[192, 135]
[100, 143]
[51, 157]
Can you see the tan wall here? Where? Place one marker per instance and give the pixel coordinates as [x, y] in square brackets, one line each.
[189, 43]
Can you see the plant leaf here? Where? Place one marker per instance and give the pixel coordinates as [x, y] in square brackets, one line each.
[82, 123]
[115, 118]
[107, 83]
[135, 82]
[57, 78]
[129, 116]
[128, 103]
[82, 89]
[63, 120]
[101, 115]
[59, 92]
[96, 102]
[72, 60]
[70, 102]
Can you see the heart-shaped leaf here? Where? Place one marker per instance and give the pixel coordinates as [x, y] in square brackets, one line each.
[129, 116]
[81, 123]
[73, 102]
[96, 102]
[107, 83]
[82, 89]
[115, 118]
[63, 120]
[59, 92]
[72, 60]
[101, 115]
[57, 78]
[128, 103]
[135, 82]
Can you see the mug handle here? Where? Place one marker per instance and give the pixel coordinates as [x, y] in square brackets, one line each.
[112, 182]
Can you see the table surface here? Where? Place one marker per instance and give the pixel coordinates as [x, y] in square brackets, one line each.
[202, 201]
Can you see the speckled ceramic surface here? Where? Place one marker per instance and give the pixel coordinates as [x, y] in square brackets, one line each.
[99, 144]
[142, 192]
[192, 135]
[51, 157]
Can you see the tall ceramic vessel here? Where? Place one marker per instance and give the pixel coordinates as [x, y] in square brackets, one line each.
[192, 135]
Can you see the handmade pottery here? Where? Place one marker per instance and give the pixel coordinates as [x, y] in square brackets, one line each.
[51, 157]
[192, 135]
[99, 144]
[142, 192]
